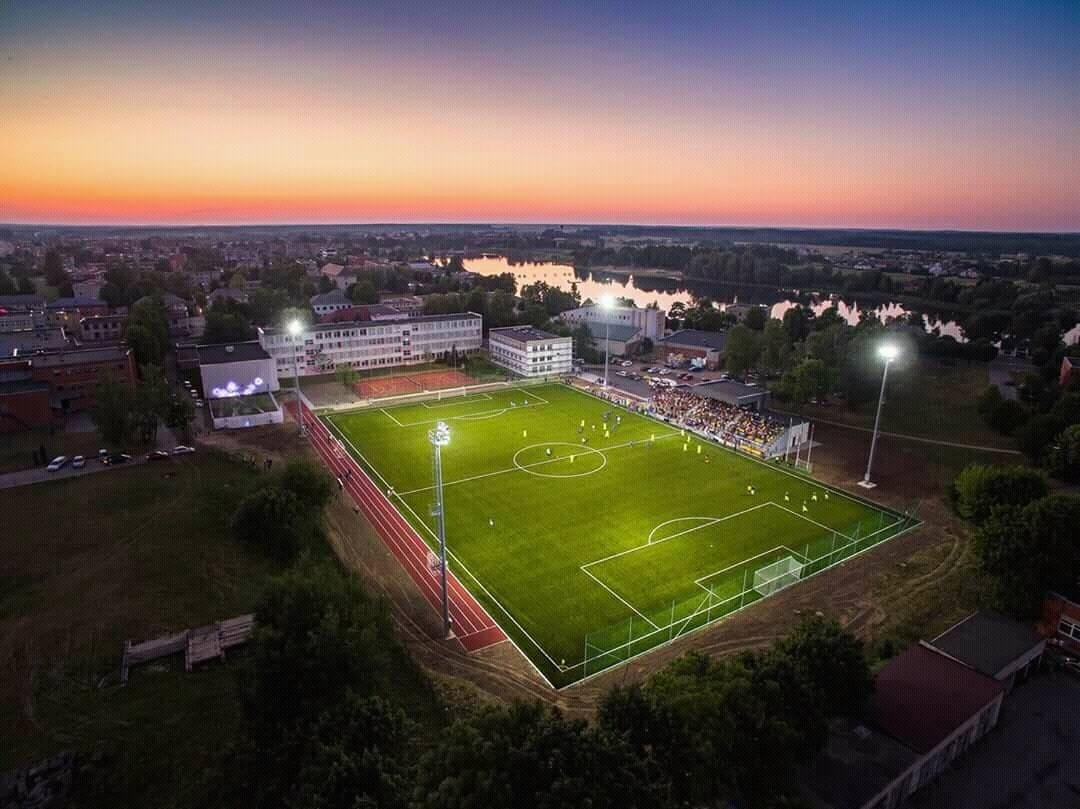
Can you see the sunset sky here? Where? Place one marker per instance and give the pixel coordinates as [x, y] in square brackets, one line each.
[957, 115]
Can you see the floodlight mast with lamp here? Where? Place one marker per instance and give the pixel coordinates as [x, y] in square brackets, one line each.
[295, 329]
[888, 352]
[607, 303]
[439, 438]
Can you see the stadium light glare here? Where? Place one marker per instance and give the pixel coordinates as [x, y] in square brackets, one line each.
[888, 352]
[295, 328]
[439, 438]
[607, 302]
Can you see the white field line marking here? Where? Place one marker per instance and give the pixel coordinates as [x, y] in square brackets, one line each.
[662, 644]
[665, 539]
[803, 516]
[524, 467]
[458, 562]
[455, 401]
[702, 520]
[747, 560]
[620, 598]
[775, 467]
[389, 416]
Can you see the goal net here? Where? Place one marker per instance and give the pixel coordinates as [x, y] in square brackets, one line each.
[780, 574]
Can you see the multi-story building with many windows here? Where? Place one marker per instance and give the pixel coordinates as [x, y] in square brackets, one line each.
[361, 345]
[530, 352]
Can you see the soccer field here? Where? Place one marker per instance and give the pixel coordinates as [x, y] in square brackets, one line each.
[588, 553]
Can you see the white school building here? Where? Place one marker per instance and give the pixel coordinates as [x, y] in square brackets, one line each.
[322, 347]
[531, 352]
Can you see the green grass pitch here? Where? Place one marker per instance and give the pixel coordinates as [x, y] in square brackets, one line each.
[589, 553]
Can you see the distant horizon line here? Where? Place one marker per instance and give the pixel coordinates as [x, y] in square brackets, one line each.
[513, 225]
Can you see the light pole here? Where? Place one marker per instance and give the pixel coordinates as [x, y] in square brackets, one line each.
[888, 353]
[606, 305]
[296, 329]
[439, 438]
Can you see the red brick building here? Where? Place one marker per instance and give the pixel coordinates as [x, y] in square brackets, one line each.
[24, 405]
[71, 376]
[1061, 621]
[1070, 370]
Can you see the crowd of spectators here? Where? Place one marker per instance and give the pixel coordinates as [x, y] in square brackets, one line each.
[720, 419]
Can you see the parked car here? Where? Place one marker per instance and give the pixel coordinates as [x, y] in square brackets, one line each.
[116, 458]
[157, 455]
[626, 363]
[180, 449]
[57, 463]
[78, 462]
[102, 454]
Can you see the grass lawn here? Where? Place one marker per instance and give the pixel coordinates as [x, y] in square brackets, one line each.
[628, 539]
[89, 562]
[928, 399]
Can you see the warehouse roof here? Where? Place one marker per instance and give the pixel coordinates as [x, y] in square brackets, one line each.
[987, 641]
[922, 696]
[231, 352]
[696, 338]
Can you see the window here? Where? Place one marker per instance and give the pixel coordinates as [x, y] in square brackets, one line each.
[1069, 628]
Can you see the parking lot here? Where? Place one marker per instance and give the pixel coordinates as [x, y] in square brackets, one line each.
[1031, 760]
[634, 378]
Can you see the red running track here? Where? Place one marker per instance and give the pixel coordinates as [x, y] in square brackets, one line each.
[473, 627]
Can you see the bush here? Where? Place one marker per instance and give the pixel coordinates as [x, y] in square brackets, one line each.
[979, 489]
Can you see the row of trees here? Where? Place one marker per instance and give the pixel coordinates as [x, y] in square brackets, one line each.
[1025, 537]
[337, 714]
[124, 413]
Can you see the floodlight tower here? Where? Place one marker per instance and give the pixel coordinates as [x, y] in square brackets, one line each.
[439, 438]
[888, 353]
[295, 329]
[607, 303]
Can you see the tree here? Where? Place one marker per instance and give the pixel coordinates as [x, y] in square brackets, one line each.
[345, 374]
[147, 332]
[978, 489]
[364, 292]
[806, 381]
[1063, 459]
[310, 482]
[775, 347]
[1030, 550]
[55, 276]
[271, 518]
[150, 403]
[111, 411]
[527, 755]
[322, 729]
[741, 350]
[797, 321]
[756, 318]
[226, 327]
[1003, 415]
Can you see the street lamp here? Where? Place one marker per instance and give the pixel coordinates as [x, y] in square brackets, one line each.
[607, 303]
[439, 438]
[888, 353]
[296, 329]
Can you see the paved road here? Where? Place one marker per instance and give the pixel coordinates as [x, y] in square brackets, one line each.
[1001, 372]
[1031, 760]
[25, 477]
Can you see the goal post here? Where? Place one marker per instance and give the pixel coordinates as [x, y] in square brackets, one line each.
[782, 573]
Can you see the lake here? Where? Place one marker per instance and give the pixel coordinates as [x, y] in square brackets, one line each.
[667, 292]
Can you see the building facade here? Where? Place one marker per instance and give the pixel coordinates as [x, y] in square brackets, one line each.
[103, 328]
[530, 352]
[649, 322]
[322, 347]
